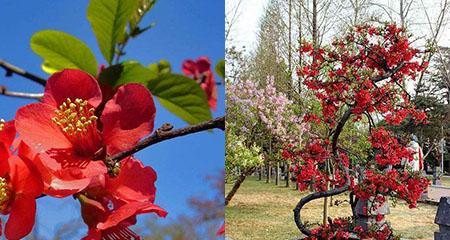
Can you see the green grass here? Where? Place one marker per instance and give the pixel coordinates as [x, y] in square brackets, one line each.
[445, 181]
[264, 211]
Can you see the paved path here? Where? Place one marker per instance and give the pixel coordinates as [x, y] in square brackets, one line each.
[435, 192]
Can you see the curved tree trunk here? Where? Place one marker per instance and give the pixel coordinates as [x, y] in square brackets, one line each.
[331, 192]
[237, 185]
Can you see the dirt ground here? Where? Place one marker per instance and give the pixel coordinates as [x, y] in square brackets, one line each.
[264, 211]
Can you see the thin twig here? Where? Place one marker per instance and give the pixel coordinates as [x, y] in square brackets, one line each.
[162, 135]
[4, 91]
[11, 69]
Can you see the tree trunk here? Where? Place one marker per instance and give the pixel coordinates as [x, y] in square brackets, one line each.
[288, 175]
[290, 41]
[315, 34]
[237, 185]
[325, 210]
[300, 42]
[260, 173]
[277, 173]
[269, 174]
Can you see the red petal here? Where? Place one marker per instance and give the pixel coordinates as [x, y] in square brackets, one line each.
[221, 230]
[203, 64]
[92, 211]
[4, 155]
[25, 177]
[22, 217]
[125, 186]
[128, 117]
[129, 210]
[8, 133]
[189, 68]
[73, 84]
[62, 181]
[211, 90]
[34, 125]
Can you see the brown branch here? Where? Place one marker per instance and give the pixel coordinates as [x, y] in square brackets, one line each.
[237, 184]
[4, 91]
[166, 133]
[162, 134]
[11, 69]
[388, 74]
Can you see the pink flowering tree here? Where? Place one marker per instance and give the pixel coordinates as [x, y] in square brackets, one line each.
[258, 115]
[263, 108]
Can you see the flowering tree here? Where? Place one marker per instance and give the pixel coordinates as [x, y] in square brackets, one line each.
[263, 109]
[360, 77]
[79, 138]
[257, 115]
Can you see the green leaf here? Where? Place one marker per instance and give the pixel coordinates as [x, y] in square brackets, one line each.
[49, 68]
[61, 50]
[182, 96]
[126, 72]
[143, 7]
[109, 19]
[220, 68]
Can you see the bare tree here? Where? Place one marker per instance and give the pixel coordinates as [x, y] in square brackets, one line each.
[231, 16]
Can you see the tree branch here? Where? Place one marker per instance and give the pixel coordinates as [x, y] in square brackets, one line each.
[4, 91]
[166, 133]
[11, 69]
[297, 210]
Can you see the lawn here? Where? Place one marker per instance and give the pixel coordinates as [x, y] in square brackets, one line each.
[445, 181]
[264, 211]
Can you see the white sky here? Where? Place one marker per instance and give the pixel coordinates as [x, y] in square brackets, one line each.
[244, 31]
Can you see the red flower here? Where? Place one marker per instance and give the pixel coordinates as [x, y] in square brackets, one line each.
[200, 70]
[110, 205]
[70, 129]
[20, 184]
[221, 230]
[379, 217]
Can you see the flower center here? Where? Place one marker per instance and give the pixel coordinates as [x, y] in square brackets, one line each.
[74, 117]
[5, 194]
[77, 120]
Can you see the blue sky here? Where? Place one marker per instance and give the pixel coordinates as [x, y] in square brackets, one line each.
[184, 29]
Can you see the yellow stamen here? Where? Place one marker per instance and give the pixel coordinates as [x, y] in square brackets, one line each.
[73, 117]
[5, 193]
[2, 124]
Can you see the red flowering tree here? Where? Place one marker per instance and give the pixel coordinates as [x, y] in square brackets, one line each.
[361, 77]
[80, 138]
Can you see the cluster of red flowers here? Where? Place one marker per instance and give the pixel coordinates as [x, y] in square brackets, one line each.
[310, 163]
[344, 228]
[364, 73]
[58, 151]
[394, 183]
[338, 229]
[364, 70]
[389, 150]
[378, 233]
